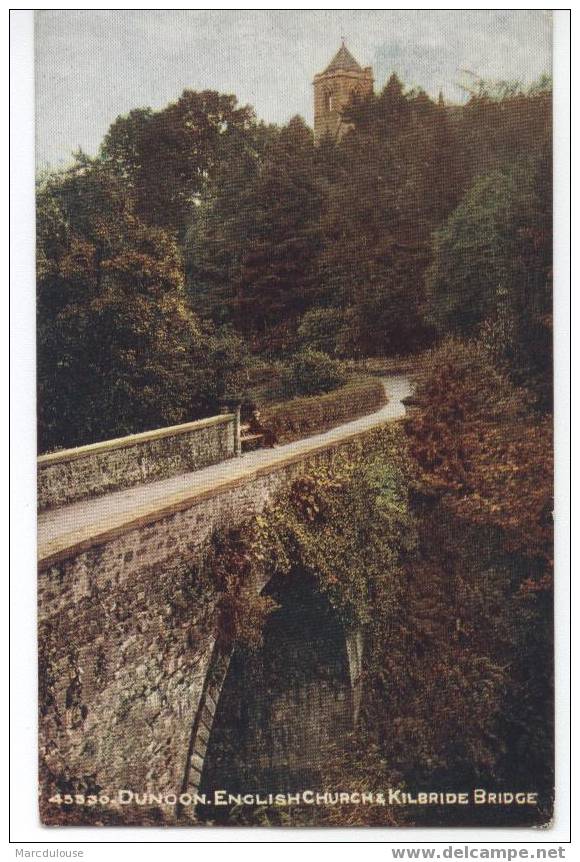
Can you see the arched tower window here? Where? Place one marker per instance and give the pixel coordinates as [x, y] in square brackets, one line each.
[327, 100]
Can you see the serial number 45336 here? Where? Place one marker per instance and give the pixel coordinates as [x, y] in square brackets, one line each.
[79, 799]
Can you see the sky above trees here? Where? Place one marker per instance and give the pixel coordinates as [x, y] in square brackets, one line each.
[94, 65]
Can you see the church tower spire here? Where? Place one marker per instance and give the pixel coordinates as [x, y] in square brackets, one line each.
[333, 89]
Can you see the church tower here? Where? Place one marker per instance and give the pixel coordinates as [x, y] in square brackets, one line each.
[333, 88]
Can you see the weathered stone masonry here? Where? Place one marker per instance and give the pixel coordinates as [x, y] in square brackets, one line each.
[126, 640]
[89, 471]
[334, 88]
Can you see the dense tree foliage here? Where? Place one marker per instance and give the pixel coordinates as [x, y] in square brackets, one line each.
[484, 501]
[482, 448]
[119, 348]
[166, 156]
[345, 232]
[252, 250]
[424, 220]
[492, 263]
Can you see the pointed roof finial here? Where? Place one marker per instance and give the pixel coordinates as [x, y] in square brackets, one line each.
[343, 60]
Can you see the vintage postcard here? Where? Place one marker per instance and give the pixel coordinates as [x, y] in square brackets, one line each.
[294, 339]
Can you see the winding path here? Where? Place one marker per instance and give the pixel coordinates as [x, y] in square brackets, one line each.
[113, 511]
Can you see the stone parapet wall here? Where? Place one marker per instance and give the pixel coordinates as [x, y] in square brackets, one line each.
[91, 471]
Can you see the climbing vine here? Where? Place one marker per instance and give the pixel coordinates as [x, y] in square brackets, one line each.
[345, 526]
[342, 524]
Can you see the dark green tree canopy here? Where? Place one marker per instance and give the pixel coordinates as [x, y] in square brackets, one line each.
[167, 156]
[254, 243]
[119, 348]
[424, 219]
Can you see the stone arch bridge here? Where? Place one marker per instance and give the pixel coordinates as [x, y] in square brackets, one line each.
[130, 674]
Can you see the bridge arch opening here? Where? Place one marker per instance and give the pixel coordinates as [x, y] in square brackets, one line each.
[285, 707]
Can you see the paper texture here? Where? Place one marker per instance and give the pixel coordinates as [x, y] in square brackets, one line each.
[294, 277]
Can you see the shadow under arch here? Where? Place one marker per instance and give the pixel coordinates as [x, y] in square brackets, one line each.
[280, 709]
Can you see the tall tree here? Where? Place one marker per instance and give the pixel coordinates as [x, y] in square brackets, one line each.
[216, 234]
[492, 262]
[119, 350]
[392, 192]
[261, 225]
[167, 156]
[503, 122]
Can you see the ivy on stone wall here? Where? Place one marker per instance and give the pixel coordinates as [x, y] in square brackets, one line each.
[345, 526]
